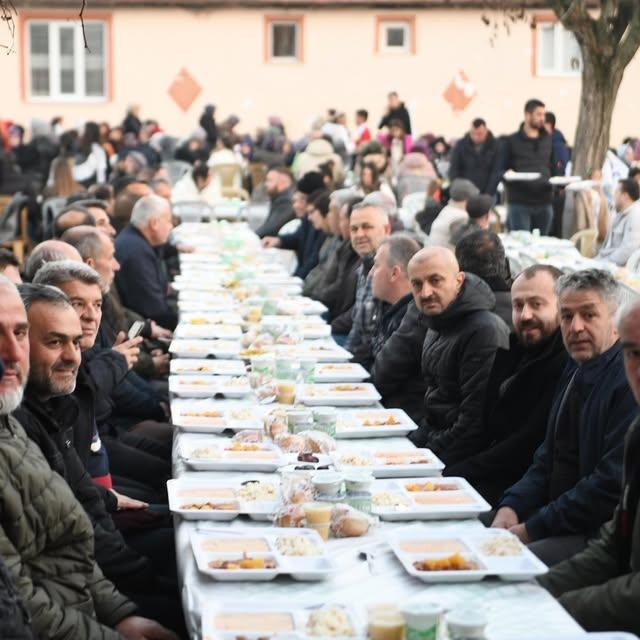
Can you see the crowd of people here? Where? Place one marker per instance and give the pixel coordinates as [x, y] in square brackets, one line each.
[527, 386]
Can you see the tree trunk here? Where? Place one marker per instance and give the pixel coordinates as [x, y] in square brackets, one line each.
[601, 78]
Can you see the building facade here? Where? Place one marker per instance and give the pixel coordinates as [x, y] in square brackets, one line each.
[293, 60]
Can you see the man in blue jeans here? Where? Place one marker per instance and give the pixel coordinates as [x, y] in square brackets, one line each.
[529, 150]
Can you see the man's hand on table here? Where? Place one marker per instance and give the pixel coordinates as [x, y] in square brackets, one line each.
[520, 530]
[160, 363]
[160, 332]
[130, 349]
[126, 503]
[270, 242]
[505, 518]
[137, 628]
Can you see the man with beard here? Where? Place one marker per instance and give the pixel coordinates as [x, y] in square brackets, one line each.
[572, 487]
[521, 386]
[279, 187]
[48, 414]
[46, 539]
[529, 150]
[459, 347]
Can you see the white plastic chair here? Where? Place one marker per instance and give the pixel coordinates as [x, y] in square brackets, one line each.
[633, 263]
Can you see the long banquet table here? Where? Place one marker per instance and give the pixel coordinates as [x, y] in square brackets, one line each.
[368, 573]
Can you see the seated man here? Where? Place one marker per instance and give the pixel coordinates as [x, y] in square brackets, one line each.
[48, 413]
[573, 484]
[72, 216]
[9, 266]
[459, 347]
[390, 284]
[279, 187]
[623, 237]
[453, 214]
[141, 281]
[144, 460]
[482, 254]
[600, 587]
[305, 240]
[338, 288]
[49, 557]
[479, 211]
[98, 211]
[521, 387]
[369, 226]
[49, 251]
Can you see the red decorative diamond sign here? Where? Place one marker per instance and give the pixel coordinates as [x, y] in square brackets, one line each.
[460, 92]
[184, 89]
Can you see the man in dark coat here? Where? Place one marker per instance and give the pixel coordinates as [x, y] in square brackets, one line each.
[208, 123]
[573, 484]
[141, 282]
[390, 284]
[600, 587]
[305, 240]
[48, 414]
[482, 253]
[521, 386]
[529, 150]
[279, 187]
[476, 158]
[459, 347]
[396, 111]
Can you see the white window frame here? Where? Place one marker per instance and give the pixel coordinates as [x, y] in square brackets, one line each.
[55, 95]
[405, 25]
[298, 31]
[559, 36]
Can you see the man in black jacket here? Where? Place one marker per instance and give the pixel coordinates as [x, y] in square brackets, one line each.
[459, 347]
[529, 150]
[521, 386]
[279, 187]
[476, 157]
[48, 414]
[396, 111]
[573, 484]
[390, 284]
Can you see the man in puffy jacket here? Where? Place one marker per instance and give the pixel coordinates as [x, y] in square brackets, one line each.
[458, 351]
[46, 539]
[572, 487]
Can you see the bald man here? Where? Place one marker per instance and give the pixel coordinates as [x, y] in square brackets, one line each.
[49, 251]
[461, 336]
[600, 586]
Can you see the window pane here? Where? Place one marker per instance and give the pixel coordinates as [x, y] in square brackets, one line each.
[284, 41]
[396, 37]
[94, 60]
[572, 58]
[39, 59]
[67, 67]
[547, 48]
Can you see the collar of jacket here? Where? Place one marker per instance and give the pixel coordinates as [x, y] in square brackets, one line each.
[54, 414]
[549, 349]
[524, 136]
[475, 295]
[367, 263]
[284, 196]
[591, 371]
[403, 302]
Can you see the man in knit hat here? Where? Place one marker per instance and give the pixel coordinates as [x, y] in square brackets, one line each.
[478, 212]
[454, 213]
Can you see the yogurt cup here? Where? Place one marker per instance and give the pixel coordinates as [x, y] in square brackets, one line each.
[466, 623]
[422, 619]
[327, 483]
[358, 481]
[317, 513]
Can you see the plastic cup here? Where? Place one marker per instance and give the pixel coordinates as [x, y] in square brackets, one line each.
[286, 391]
[385, 623]
[318, 513]
[422, 620]
[327, 483]
[466, 623]
[323, 530]
[308, 370]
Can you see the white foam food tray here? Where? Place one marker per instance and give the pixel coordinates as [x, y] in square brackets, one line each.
[219, 456]
[426, 499]
[479, 548]
[390, 464]
[208, 331]
[207, 366]
[260, 542]
[224, 500]
[204, 386]
[374, 423]
[215, 416]
[338, 394]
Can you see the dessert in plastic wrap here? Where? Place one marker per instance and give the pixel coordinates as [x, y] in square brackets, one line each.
[318, 442]
[248, 436]
[275, 423]
[291, 443]
[289, 337]
[347, 522]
